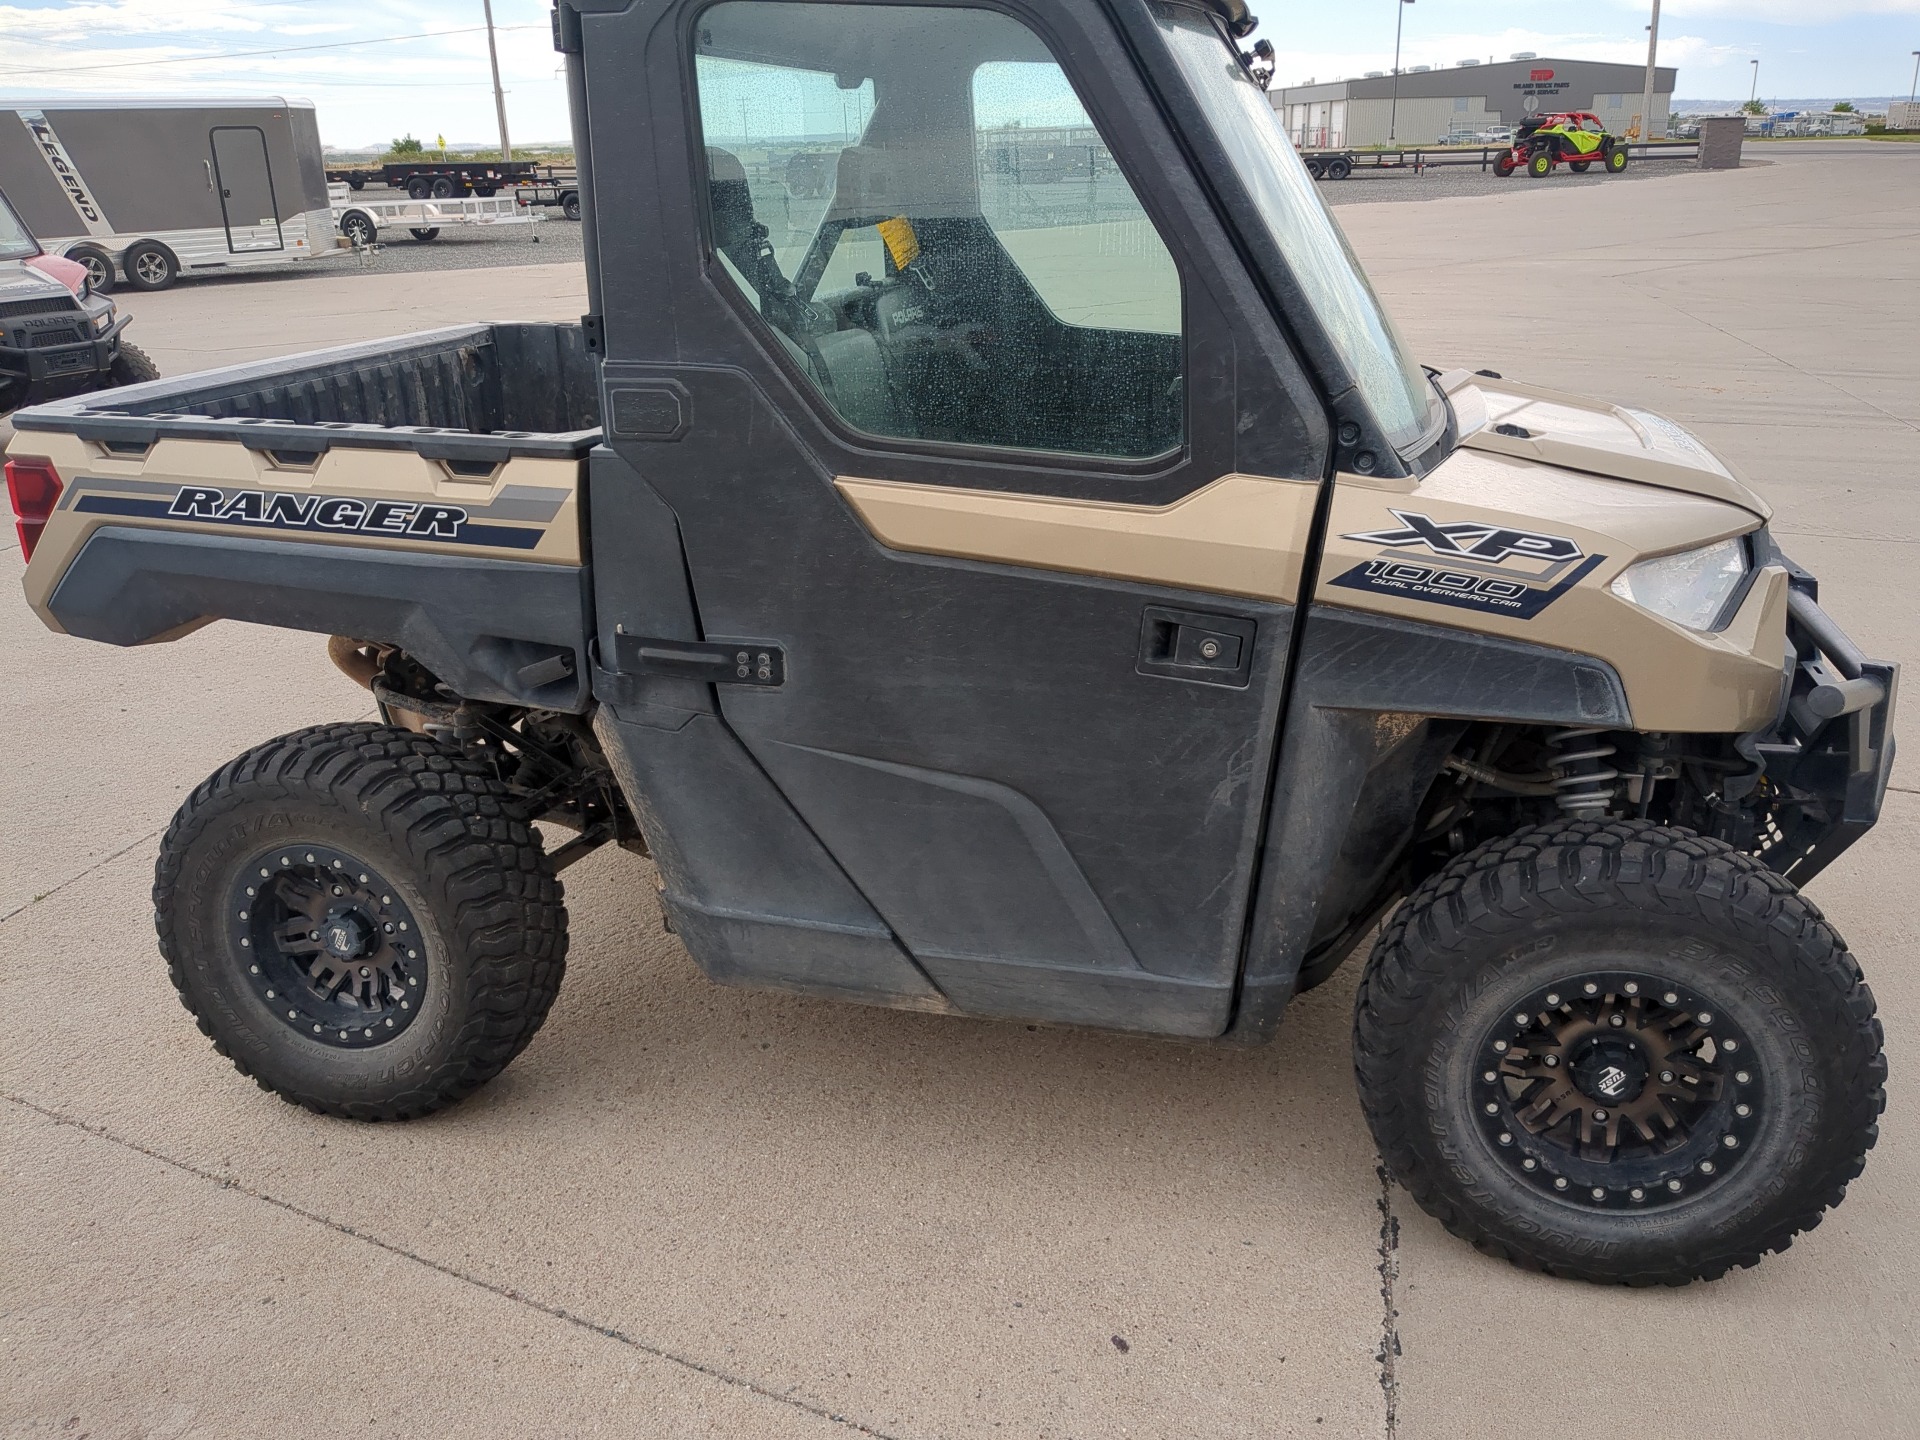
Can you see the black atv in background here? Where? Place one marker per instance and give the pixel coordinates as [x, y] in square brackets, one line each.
[57, 337]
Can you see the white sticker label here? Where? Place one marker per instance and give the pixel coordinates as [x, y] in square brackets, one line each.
[55, 154]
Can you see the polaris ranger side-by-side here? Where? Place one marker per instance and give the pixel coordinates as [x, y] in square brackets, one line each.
[1040, 590]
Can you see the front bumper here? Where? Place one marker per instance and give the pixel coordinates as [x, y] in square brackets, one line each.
[1829, 751]
[37, 363]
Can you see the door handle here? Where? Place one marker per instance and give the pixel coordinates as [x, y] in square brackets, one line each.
[1193, 645]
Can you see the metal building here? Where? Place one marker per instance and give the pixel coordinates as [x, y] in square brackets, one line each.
[1460, 103]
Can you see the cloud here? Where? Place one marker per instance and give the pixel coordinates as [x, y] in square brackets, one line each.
[1784, 12]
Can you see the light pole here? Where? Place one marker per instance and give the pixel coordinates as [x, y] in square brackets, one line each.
[1914, 88]
[1754, 93]
[1653, 50]
[499, 99]
[1393, 115]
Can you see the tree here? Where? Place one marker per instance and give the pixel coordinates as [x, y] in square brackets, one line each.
[1843, 107]
[1754, 107]
[407, 145]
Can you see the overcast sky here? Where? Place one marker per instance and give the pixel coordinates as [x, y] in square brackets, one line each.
[437, 85]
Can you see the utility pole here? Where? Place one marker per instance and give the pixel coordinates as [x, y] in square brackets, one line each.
[499, 99]
[1393, 115]
[1754, 93]
[1653, 51]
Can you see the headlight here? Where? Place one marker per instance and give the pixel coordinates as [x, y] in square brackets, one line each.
[1690, 588]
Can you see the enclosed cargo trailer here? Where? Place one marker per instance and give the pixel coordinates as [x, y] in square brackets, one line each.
[150, 189]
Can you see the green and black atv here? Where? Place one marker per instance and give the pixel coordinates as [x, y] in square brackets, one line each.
[1573, 138]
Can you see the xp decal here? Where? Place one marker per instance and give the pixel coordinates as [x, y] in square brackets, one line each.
[1494, 568]
[321, 514]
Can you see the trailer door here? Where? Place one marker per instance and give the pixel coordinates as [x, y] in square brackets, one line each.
[244, 181]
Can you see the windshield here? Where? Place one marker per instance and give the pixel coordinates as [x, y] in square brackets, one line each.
[1301, 226]
[15, 242]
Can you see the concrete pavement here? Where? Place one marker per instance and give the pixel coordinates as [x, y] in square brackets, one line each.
[695, 1211]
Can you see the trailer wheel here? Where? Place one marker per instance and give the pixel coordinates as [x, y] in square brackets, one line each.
[358, 227]
[356, 184]
[99, 266]
[419, 188]
[486, 192]
[132, 366]
[570, 205]
[1339, 168]
[150, 265]
[361, 919]
[425, 234]
[1616, 160]
[1316, 169]
[1619, 1052]
[442, 188]
[1540, 163]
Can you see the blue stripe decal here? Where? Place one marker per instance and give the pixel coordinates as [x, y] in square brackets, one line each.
[506, 537]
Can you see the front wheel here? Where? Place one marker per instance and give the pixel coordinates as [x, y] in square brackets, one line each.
[1616, 160]
[361, 919]
[1618, 1052]
[132, 366]
[1540, 163]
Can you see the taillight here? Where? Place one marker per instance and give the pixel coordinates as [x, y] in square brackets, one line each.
[34, 488]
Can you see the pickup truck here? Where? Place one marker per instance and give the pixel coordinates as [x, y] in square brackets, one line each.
[1041, 593]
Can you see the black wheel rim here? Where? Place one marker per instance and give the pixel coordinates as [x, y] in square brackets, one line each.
[1618, 1091]
[330, 947]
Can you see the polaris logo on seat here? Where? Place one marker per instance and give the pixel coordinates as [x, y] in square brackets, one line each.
[282, 511]
[1471, 540]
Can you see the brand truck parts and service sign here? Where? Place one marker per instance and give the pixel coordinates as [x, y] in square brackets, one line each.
[61, 164]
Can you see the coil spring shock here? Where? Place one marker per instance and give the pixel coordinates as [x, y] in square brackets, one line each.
[1582, 779]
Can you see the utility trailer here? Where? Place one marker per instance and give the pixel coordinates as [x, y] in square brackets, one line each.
[149, 190]
[1084, 613]
[361, 220]
[1331, 164]
[552, 186]
[436, 179]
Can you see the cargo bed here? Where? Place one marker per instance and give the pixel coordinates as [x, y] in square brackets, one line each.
[423, 491]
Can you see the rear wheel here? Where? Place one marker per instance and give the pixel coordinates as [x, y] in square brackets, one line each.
[1339, 168]
[132, 366]
[570, 206]
[150, 266]
[1579, 167]
[362, 921]
[428, 233]
[1618, 1052]
[442, 187]
[1504, 164]
[99, 266]
[419, 188]
[1540, 163]
[1616, 160]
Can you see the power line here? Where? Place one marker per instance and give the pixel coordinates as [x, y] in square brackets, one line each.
[243, 54]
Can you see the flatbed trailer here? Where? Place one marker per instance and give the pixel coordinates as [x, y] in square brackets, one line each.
[435, 179]
[1337, 164]
[362, 220]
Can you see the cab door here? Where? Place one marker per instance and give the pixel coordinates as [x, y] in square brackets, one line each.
[993, 486]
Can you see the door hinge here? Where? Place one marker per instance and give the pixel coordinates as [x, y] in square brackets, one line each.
[566, 29]
[746, 662]
[594, 332]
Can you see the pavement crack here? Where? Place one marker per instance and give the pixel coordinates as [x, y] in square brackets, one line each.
[505, 1292]
[78, 875]
[1389, 1356]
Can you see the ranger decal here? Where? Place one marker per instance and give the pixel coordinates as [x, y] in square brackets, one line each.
[319, 514]
[1495, 568]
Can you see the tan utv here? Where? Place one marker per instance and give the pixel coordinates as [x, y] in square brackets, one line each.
[1026, 578]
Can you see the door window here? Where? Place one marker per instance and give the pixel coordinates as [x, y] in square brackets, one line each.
[933, 229]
